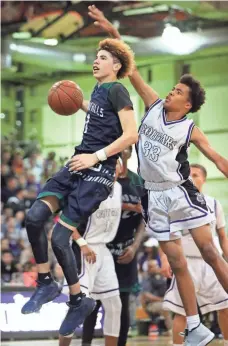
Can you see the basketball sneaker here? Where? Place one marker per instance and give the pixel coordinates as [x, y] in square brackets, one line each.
[42, 295]
[76, 315]
[199, 336]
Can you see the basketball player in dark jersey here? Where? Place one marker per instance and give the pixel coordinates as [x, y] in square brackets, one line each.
[85, 181]
[123, 248]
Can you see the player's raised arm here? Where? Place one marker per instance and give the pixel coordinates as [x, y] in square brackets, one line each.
[148, 95]
[201, 142]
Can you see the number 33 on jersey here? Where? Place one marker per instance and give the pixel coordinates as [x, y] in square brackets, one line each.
[163, 146]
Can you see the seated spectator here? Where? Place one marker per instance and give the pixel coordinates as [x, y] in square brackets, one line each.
[150, 252]
[153, 291]
[17, 202]
[9, 190]
[50, 165]
[5, 244]
[8, 266]
[17, 162]
[29, 274]
[34, 164]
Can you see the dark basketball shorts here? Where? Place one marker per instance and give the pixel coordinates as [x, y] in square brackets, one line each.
[80, 192]
[127, 274]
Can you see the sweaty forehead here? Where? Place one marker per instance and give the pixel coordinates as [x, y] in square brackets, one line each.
[184, 88]
[104, 53]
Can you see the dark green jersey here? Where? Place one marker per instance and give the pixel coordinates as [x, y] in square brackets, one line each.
[102, 125]
[132, 191]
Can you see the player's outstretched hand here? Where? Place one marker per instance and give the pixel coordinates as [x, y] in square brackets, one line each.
[128, 255]
[88, 253]
[99, 18]
[82, 161]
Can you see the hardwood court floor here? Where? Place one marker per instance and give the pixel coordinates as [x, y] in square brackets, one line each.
[139, 341]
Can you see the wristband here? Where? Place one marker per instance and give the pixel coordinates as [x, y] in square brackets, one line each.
[101, 155]
[81, 242]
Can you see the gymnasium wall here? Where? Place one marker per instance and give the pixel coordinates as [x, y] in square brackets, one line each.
[61, 134]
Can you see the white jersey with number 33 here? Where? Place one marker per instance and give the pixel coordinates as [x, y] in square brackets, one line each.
[162, 147]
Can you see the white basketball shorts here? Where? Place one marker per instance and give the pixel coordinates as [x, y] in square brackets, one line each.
[209, 293]
[99, 279]
[176, 209]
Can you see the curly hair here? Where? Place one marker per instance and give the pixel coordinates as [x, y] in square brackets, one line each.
[120, 50]
[196, 94]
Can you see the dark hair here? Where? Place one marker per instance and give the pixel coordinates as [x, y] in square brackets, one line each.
[121, 51]
[202, 168]
[196, 92]
[6, 251]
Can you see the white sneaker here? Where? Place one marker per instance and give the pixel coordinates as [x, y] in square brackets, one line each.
[199, 336]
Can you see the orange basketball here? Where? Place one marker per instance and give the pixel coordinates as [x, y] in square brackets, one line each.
[65, 97]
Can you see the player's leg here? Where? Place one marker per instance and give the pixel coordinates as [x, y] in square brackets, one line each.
[88, 329]
[179, 325]
[178, 263]
[204, 241]
[125, 318]
[89, 325]
[223, 323]
[47, 289]
[80, 306]
[112, 307]
[197, 333]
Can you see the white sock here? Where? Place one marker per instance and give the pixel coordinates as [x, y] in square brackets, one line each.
[225, 342]
[193, 322]
[180, 345]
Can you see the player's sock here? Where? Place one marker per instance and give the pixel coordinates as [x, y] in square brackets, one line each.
[177, 344]
[45, 278]
[193, 322]
[225, 342]
[75, 299]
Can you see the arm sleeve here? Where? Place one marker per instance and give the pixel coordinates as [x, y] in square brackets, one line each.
[119, 97]
[220, 217]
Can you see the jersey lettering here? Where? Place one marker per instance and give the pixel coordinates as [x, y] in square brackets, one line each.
[95, 108]
[151, 151]
[87, 123]
[154, 135]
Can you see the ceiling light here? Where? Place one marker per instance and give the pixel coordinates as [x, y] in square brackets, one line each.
[79, 57]
[176, 42]
[51, 42]
[22, 35]
[171, 33]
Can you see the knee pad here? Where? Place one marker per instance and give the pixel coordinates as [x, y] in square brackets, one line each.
[36, 218]
[112, 307]
[60, 242]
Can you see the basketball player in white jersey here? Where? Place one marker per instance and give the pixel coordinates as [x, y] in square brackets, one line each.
[99, 279]
[174, 202]
[210, 294]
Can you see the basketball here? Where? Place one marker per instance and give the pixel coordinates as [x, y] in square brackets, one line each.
[65, 97]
